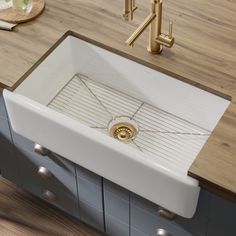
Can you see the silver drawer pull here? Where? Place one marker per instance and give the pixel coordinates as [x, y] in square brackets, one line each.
[44, 173]
[40, 149]
[162, 232]
[166, 214]
[49, 196]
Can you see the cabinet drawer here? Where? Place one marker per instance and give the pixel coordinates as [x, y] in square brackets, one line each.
[117, 209]
[115, 227]
[90, 197]
[89, 188]
[61, 184]
[91, 216]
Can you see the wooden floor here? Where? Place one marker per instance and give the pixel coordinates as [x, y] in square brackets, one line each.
[22, 214]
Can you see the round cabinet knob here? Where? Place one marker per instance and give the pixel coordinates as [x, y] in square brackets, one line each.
[40, 149]
[49, 196]
[166, 214]
[44, 173]
[162, 232]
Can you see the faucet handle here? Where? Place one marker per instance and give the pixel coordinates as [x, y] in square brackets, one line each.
[170, 28]
[166, 40]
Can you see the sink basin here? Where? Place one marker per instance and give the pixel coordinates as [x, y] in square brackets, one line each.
[125, 121]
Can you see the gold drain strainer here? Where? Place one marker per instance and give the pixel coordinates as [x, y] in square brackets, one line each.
[123, 131]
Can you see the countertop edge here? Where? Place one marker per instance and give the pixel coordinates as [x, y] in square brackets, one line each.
[214, 188]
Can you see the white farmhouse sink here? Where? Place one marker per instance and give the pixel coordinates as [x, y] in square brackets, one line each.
[73, 98]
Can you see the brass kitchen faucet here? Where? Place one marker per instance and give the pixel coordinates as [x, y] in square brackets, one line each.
[156, 38]
[129, 8]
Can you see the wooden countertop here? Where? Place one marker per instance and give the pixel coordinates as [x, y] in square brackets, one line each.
[204, 55]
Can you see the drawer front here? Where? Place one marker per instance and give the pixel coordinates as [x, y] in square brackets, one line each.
[115, 227]
[89, 188]
[92, 216]
[62, 183]
[196, 226]
[117, 209]
[90, 197]
[8, 159]
[59, 188]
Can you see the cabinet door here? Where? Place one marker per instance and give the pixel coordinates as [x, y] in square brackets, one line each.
[222, 217]
[90, 197]
[49, 177]
[8, 160]
[117, 209]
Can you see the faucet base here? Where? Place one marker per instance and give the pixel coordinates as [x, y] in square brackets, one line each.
[154, 51]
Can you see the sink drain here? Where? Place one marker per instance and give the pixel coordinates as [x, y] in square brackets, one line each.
[123, 129]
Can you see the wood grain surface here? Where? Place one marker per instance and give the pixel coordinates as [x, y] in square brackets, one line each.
[204, 55]
[12, 15]
[21, 214]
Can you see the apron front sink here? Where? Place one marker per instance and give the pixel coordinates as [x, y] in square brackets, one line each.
[117, 117]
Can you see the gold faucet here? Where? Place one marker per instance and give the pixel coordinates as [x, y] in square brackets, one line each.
[129, 8]
[156, 38]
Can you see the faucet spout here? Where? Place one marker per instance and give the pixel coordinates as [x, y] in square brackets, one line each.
[130, 41]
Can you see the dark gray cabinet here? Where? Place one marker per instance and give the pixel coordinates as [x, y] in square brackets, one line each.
[57, 186]
[90, 195]
[197, 225]
[68, 186]
[116, 209]
[144, 218]
[129, 214]
[9, 167]
[222, 217]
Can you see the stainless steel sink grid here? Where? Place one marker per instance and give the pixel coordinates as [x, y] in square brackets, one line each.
[160, 134]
